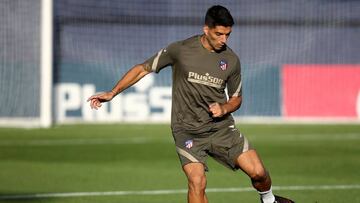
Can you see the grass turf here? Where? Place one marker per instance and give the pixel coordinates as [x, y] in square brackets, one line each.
[100, 158]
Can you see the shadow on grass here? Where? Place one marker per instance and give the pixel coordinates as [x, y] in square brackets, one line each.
[16, 197]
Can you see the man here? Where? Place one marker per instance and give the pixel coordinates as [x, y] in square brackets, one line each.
[203, 67]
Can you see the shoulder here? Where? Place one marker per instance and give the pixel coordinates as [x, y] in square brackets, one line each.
[233, 61]
[230, 53]
[194, 40]
[177, 46]
[191, 41]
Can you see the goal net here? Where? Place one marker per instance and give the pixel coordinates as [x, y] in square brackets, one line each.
[25, 71]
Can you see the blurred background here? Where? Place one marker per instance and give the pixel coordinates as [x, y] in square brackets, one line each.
[300, 59]
[300, 66]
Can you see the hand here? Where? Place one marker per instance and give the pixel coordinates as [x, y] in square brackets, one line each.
[217, 110]
[97, 99]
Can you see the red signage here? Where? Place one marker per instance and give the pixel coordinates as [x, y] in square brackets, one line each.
[321, 91]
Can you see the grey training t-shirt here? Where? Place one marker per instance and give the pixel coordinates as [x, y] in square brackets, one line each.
[199, 79]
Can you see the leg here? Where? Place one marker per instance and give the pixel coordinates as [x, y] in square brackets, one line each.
[252, 165]
[195, 173]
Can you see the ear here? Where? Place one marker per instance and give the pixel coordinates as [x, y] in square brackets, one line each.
[206, 29]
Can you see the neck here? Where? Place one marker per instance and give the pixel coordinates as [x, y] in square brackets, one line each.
[206, 43]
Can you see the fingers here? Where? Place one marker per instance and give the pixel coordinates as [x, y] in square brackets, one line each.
[213, 105]
[97, 99]
[95, 104]
[215, 109]
[94, 101]
[96, 96]
[90, 98]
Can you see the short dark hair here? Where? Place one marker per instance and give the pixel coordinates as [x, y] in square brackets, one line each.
[218, 15]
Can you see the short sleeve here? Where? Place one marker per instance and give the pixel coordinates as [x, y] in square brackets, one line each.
[234, 84]
[165, 57]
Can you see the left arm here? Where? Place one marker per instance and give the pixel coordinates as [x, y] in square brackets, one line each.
[219, 110]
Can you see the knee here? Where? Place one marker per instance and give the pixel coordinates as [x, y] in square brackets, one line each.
[259, 174]
[197, 183]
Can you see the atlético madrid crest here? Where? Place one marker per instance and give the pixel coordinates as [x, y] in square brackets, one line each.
[223, 64]
[189, 144]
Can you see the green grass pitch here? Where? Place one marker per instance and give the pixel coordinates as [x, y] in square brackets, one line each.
[302, 159]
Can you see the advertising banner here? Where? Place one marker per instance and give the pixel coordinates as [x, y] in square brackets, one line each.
[321, 91]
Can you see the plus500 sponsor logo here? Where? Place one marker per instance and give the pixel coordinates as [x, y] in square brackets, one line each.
[206, 79]
[145, 104]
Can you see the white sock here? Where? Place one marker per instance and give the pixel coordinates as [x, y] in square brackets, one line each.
[267, 196]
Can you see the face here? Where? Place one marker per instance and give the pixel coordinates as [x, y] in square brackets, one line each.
[216, 37]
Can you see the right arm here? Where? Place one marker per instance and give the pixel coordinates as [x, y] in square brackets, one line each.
[154, 64]
[131, 77]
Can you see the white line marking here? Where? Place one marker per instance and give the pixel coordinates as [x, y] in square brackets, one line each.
[149, 139]
[80, 141]
[312, 137]
[168, 192]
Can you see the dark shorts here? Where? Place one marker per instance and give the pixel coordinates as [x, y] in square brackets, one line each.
[224, 145]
